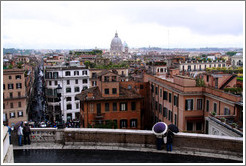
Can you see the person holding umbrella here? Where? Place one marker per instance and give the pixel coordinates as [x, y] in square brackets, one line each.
[171, 128]
[20, 133]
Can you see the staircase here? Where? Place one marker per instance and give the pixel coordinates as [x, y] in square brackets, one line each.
[227, 82]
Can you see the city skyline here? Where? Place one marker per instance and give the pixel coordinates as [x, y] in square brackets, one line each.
[82, 25]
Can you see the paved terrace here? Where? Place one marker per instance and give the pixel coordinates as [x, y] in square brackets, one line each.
[217, 147]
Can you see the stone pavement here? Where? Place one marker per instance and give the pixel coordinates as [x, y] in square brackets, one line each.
[191, 152]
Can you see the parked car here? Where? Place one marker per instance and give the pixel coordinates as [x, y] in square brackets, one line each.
[42, 124]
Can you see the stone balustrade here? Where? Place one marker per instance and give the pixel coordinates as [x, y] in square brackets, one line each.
[7, 155]
[138, 138]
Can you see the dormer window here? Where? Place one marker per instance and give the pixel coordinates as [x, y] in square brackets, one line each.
[114, 79]
[106, 78]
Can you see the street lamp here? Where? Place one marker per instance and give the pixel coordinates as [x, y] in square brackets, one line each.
[59, 92]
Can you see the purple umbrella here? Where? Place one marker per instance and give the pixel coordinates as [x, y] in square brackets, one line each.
[159, 128]
[18, 124]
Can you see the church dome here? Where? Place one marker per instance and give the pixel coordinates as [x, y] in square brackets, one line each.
[116, 45]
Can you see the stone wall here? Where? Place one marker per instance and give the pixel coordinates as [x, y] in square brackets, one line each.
[8, 155]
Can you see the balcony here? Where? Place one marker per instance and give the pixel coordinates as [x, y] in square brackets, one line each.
[99, 115]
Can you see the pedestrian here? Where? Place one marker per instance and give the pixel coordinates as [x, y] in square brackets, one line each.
[169, 140]
[20, 133]
[9, 131]
[26, 132]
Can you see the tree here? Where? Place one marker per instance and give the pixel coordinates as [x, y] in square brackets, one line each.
[87, 64]
[231, 53]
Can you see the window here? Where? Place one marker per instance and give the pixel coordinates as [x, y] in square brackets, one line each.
[94, 75]
[165, 112]
[160, 108]
[3, 86]
[175, 100]
[114, 90]
[170, 115]
[198, 126]
[69, 98]
[18, 85]
[76, 81]
[141, 86]
[170, 97]
[67, 73]
[91, 107]
[133, 105]
[68, 90]
[10, 86]
[156, 90]
[123, 123]
[3, 105]
[4, 117]
[123, 106]
[84, 72]
[114, 106]
[106, 91]
[215, 107]
[160, 92]
[19, 94]
[106, 106]
[12, 114]
[68, 82]
[77, 105]
[175, 119]
[50, 100]
[55, 75]
[133, 123]
[189, 126]
[19, 104]
[207, 106]
[10, 77]
[164, 95]
[76, 89]
[85, 81]
[189, 104]
[207, 78]
[156, 105]
[69, 106]
[99, 109]
[55, 82]
[85, 87]
[76, 73]
[199, 104]
[11, 95]
[152, 88]
[94, 83]
[106, 78]
[18, 77]
[11, 105]
[20, 114]
[226, 111]
[113, 78]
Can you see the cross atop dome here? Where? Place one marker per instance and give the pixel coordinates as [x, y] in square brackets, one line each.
[116, 34]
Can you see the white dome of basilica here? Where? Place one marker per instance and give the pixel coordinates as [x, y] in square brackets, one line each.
[116, 46]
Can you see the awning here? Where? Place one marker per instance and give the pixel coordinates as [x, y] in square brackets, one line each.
[194, 118]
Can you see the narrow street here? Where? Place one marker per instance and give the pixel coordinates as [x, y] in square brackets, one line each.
[38, 104]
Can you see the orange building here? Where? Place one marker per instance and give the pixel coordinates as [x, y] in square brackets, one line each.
[109, 103]
[179, 101]
[14, 96]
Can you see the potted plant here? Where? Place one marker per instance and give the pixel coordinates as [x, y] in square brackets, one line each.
[234, 125]
[213, 113]
[222, 119]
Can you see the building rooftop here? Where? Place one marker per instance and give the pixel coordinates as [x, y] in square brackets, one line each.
[97, 95]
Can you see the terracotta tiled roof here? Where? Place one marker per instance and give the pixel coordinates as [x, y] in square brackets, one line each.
[124, 94]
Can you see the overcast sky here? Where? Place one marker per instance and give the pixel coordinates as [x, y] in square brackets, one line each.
[81, 25]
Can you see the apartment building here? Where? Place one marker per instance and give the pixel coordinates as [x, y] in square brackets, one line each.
[94, 75]
[180, 101]
[191, 66]
[73, 79]
[14, 96]
[108, 101]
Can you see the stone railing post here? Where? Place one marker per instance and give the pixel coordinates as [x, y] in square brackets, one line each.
[59, 136]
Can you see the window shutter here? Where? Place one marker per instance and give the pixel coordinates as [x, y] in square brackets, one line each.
[177, 98]
[192, 104]
[186, 104]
